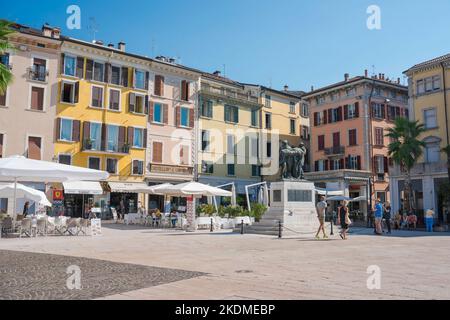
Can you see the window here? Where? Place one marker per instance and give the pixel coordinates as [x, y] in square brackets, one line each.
[139, 107]
[65, 159]
[335, 115]
[95, 134]
[138, 138]
[377, 110]
[112, 138]
[377, 91]
[353, 163]
[352, 140]
[256, 170]
[137, 167]
[231, 145]
[39, 70]
[66, 130]
[34, 148]
[94, 163]
[336, 139]
[157, 113]
[1, 144]
[336, 164]
[207, 167]
[37, 98]
[254, 148]
[157, 152]
[269, 149]
[321, 165]
[321, 142]
[432, 153]
[114, 99]
[97, 97]
[231, 114]
[159, 85]
[115, 75]
[268, 101]
[70, 66]
[428, 84]
[320, 100]
[292, 124]
[292, 107]
[420, 86]
[254, 121]
[99, 69]
[205, 140]
[436, 82]
[185, 92]
[206, 107]
[305, 110]
[393, 94]
[379, 137]
[268, 121]
[429, 117]
[140, 79]
[379, 164]
[184, 113]
[304, 132]
[69, 92]
[230, 169]
[351, 111]
[334, 96]
[111, 165]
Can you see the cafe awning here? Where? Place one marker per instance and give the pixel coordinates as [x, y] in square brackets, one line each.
[127, 187]
[82, 187]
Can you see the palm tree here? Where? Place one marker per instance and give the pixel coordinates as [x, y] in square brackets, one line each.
[405, 149]
[446, 150]
[5, 74]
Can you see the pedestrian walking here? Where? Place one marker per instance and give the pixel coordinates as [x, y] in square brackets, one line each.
[387, 216]
[26, 207]
[429, 220]
[343, 219]
[321, 209]
[378, 217]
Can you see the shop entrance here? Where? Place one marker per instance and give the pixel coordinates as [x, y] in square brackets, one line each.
[130, 201]
[74, 206]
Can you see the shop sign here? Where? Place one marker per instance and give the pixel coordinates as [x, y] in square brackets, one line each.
[58, 195]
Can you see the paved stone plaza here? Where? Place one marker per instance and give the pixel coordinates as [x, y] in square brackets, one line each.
[137, 263]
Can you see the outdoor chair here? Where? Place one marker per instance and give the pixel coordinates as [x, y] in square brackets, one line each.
[50, 225]
[25, 228]
[41, 227]
[60, 225]
[84, 226]
[73, 223]
[19, 217]
[7, 226]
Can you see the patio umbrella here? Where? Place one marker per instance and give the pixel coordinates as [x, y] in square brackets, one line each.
[7, 191]
[155, 189]
[361, 198]
[19, 168]
[338, 198]
[193, 189]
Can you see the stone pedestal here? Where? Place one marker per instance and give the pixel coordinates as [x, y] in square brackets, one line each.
[292, 203]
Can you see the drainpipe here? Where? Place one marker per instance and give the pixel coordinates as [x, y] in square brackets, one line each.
[370, 129]
[445, 102]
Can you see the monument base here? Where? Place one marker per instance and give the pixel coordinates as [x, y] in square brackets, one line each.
[292, 204]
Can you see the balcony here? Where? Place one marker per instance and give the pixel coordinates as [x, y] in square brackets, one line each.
[227, 93]
[37, 74]
[421, 169]
[106, 146]
[335, 151]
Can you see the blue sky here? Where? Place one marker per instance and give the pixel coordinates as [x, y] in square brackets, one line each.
[295, 42]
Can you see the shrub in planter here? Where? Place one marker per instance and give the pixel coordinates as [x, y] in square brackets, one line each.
[258, 210]
[206, 209]
[233, 211]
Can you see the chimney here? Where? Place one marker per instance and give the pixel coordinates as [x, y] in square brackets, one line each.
[312, 88]
[110, 45]
[382, 75]
[56, 34]
[398, 80]
[346, 76]
[121, 46]
[286, 87]
[216, 73]
[47, 30]
[366, 73]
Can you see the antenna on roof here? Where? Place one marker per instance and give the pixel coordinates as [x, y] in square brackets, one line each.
[93, 27]
[153, 47]
[373, 70]
[224, 70]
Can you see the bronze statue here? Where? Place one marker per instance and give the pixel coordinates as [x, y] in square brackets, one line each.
[292, 161]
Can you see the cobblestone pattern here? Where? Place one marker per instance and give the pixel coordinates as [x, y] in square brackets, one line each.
[38, 276]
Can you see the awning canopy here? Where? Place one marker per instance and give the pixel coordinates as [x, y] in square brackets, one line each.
[127, 187]
[82, 187]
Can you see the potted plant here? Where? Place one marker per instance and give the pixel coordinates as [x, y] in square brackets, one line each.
[258, 210]
[88, 144]
[126, 147]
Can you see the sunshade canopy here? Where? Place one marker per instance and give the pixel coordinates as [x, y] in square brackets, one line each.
[82, 187]
[7, 191]
[194, 189]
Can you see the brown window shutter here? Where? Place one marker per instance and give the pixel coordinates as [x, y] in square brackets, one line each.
[145, 138]
[316, 166]
[131, 102]
[386, 165]
[57, 129]
[76, 130]
[89, 69]
[316, 115]
[178, 116]
[37, 98]
[341, 164]
[331, 163]
[339, 114]
[345, 112]
[330, 115]
[130, 136]
[86, 130]
[357, 110]
[327, 165]
[61, 71]
[157, 89]
[77, 92]
[103, 145]
[166, 114]
[108, 73]
[347, 162]
[122, 141]
[80, 67]
[124, 80]
[183, 90]
[191, 118]
[383, 111]
[133, 84]
[147, 106]
[358, 161]
[147, 79]
[325, 116]
[151, 111]
[374, 164]
[157, 152]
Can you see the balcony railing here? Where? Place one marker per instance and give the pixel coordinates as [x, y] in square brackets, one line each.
[106, 146]
[37, 74]
[333, 151]
[229, 93]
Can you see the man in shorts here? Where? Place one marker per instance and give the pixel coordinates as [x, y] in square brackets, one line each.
[378, 217]
[321, 208]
